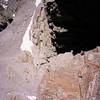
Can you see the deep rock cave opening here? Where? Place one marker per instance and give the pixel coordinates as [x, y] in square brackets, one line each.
[74, 16]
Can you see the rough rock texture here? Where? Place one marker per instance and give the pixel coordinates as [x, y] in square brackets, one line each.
[42, 74]
[71, 77]
[8, 9]
[21, 72]
[16, 69]
[41, 38]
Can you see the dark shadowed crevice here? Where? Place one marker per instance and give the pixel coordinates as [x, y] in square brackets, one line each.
[10, 20]
[73, 15]
[3, 25]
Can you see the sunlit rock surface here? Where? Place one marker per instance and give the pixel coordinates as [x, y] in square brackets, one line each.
[33, 65]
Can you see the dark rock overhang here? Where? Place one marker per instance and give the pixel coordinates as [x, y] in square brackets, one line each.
[73, 16]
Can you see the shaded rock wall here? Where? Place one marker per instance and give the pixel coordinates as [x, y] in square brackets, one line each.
[72, 16]
[8, 9]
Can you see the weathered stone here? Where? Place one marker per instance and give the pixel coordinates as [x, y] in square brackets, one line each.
[18, 96]
[35, 68]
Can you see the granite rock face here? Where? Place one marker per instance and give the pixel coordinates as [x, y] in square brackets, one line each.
[36, 52]
[71, 77]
